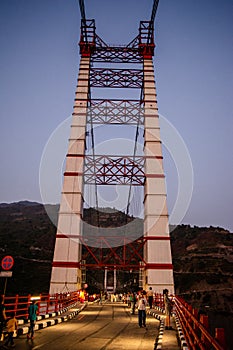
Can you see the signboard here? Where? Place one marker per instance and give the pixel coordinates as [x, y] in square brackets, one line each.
[5, 273]
[7, 262]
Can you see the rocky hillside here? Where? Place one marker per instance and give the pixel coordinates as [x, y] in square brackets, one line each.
[202, 257]
[27, 234]
[203, 273]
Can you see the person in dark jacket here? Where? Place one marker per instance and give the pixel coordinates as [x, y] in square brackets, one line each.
[32, 316]
[168, 309]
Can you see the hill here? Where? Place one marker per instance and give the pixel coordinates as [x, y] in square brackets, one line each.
[27, 234]
[202, 257]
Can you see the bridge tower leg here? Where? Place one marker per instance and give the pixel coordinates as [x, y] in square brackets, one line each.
[66, 272]
[157, 250]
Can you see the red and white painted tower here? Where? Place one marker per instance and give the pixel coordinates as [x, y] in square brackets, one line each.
[78, 248]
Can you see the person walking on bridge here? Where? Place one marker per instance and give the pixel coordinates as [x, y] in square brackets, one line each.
[168, 309]
[2, 316]
[150, 296]
[142, 311]
[12, 326]
[32, 316]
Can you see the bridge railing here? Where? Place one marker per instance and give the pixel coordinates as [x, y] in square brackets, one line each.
[196, 328]
[18, 305]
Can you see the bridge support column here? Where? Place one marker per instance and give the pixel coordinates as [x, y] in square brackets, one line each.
[158, 271]
[66, 273]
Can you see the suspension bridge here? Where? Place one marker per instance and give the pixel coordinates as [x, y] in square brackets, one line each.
[114, 144]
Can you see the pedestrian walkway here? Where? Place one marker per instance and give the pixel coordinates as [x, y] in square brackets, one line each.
[163, 339]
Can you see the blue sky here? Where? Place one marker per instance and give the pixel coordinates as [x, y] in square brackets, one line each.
[194, 78]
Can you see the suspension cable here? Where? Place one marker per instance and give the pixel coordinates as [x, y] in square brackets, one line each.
[154, 10]
[82, 9]
[152, 19]
[93, 154]
[134, 154]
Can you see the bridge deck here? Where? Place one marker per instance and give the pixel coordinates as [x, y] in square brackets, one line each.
[98, 327]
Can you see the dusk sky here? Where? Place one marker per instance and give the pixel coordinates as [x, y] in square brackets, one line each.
[194, 78]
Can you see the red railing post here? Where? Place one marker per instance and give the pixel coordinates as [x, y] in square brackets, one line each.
[56, 302]
[220, 336]
[48, 304]
[28, 303]
[61, 301]
[190, 309]
[195, 314]
[204, 320]
[16, 304]
[38, 304]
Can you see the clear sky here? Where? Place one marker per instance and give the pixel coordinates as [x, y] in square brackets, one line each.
[194, 77]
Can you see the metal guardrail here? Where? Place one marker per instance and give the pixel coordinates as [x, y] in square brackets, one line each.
[195, 328]
[46, 303]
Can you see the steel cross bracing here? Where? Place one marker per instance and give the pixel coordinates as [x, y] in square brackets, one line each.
[101, 251]
[114, 170]
[117, 55]
[127, 112]
[116, 78]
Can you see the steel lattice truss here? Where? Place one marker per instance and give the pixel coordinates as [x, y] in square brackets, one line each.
[113, 252]
[115, 112]
[117, 55]
[121, 252]
[112, 170]
[116, 78]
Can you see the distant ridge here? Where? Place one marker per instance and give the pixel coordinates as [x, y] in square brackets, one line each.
[25, 203]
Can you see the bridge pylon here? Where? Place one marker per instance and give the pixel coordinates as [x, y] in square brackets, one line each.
[115, 97]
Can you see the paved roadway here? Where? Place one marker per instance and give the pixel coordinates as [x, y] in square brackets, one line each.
[97, 327]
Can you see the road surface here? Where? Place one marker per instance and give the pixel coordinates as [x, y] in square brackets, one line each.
[98, 327]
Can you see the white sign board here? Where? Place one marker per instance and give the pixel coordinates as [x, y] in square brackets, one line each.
[5, 273]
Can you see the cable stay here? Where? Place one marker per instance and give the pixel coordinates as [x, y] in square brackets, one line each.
[93, 154]
[134, 154]
[84, 25]
[152, 19]
[82, 9]
[154, 10]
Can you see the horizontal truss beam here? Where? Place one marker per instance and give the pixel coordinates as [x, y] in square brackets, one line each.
[111, 170]
[116, 78]
[117, 55]
[115, 112]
